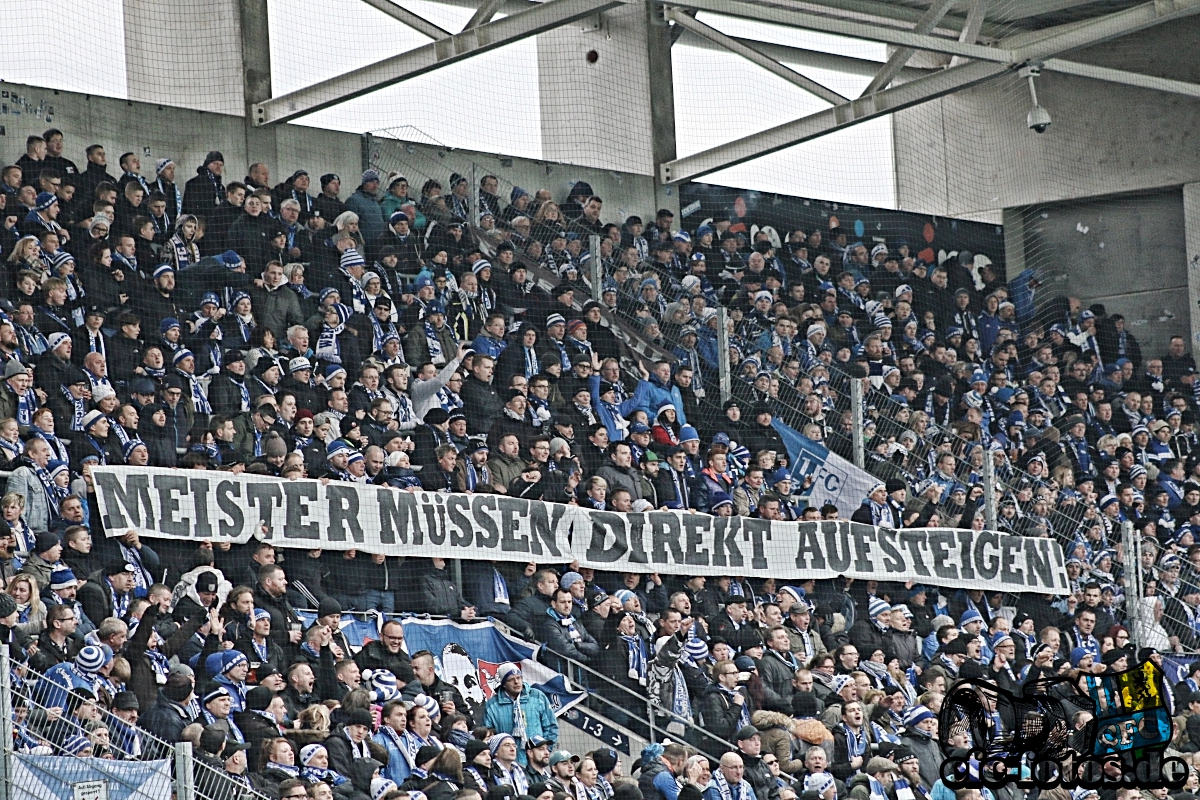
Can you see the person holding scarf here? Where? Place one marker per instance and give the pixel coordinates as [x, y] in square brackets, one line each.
[329, 344]
[31, 480]
[383, 325]
[10, 442]
[93, 441]
[520, 710]
[728, 782]
[626, 654]
[522, 357]
[185, 367]
[472, 473]
[419, 745]
[20, 400]
[229, 669]
[468, 308]
[851, 742]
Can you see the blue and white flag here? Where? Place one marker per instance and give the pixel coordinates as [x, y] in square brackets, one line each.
[467, 656]
[835, 480]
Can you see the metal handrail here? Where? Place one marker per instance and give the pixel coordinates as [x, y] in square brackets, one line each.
[688, 724]
[203, 775]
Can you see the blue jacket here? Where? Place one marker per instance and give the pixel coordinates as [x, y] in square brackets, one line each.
[397, 766]
[615, 434]
[487, 346]
[539, 716]
[370, 214]
[59, 680]
[652, 395]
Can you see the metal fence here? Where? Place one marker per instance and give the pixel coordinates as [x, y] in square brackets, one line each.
[41, 756]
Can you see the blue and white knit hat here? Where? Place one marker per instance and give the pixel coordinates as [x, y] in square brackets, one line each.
[878, 606]
[623, 596]
[92, 658]
[352, 258]
[696, 650]
[916, 715]
[969, 616]
[383, 684]
[62, 578]
[818, 782]
[506, 671]
[128, 448]
[381, 786]
[430, 705]
[308, 752]
[74, 745]
[498, 739]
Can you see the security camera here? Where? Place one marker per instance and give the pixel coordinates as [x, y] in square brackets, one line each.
[1038, 119]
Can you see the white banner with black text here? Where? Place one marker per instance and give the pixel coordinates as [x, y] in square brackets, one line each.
[310, 514]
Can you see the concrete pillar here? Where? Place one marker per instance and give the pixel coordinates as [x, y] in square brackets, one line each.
[662, 103]
[606, 94]
[1013, 220]
[256, 82]
[1191, 228]
[184, 55]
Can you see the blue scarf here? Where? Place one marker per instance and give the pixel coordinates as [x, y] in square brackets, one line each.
[881, 514]
[636, 658]
[183, 255]
[78, 408]
[27, 403]
[499, 588]
[358, 297]
[744, 792]
[411, 743]
[531, 362]
[856, 744]
[744, 714]
[476, 476]
[55, 494]
[317, 774]
[515, 777]
[436, 356]
[328, 347]
[199, 401]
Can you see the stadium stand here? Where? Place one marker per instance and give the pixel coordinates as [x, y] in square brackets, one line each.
[427, 333]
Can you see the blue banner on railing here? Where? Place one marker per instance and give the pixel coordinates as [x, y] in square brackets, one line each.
[70, 778]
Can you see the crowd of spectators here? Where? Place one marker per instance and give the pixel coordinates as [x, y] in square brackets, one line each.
[401, 339]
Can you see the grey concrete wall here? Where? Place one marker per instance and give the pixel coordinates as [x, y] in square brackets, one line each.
[1126, 252]
[185, 136]
[180, 134]
[184, 54]
[972, 151]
